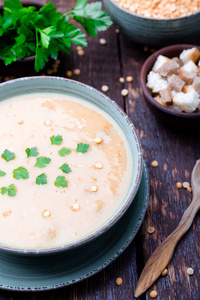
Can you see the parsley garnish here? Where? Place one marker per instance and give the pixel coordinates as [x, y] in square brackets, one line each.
[2, 173]
[82, 148]
[11, 190]
[32, 152]
[42, 161]
[20, 172]
[24, 31]
[64, 151]
[65, 168]
[41, 179]
[61, 181]
[8, 155]
[56, 140]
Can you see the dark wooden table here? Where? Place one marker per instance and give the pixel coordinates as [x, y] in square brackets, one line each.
[176, 155]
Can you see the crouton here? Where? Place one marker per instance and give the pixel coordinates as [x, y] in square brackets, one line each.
[159, 62]
[166, 96]
[173, 93]
[168, 68]
[190, 67]
[187, 77]
[188, 102]
[176, 108]
[192, 54]
[196, 84]
[160, 101]
[178, 61]
[187, 88]
[155, 82]
[176, 83]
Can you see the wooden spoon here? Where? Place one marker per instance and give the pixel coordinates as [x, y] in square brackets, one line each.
[163, 254]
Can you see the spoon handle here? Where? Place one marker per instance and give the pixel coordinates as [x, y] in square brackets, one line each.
[163, 253]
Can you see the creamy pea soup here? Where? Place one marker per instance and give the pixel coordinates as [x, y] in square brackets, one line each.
[65, 168]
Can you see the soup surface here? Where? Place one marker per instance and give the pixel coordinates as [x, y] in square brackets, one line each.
[65, 168]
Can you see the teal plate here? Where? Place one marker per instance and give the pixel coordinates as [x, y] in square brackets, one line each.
[33, 273]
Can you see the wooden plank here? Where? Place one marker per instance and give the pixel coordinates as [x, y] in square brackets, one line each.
[100, 65]
[176, 155]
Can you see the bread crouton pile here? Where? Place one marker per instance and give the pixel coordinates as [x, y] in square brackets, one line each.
[175, 82]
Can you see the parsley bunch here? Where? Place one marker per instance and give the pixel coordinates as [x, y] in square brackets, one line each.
[25, 31]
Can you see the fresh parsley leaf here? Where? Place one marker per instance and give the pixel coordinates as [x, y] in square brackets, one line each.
[8, 155]
[24, 31]
[41, 58]
[11, 190]
[83, 148]
[91, 16]
[32, 151]
[61, 181]
[42, 161]
[41, 179]
[64, 151]
[56, 140]
[20, 172]
[2, 173]
[65, 168]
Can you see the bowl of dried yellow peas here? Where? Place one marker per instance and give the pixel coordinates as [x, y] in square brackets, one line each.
[156, 23]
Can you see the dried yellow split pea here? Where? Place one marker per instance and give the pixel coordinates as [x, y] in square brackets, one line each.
[104, 88]
[75, 207]
[46, 213]
[153, 294]
[179, 185]
[77, 71]
[102, 41]
[190, 271]
[150, 229]
[129, 78]
[164, 273]
[124, 92]
[154, 163]
[121, 79]
[81, 52]
[7, 213]
[186, 184]
[99, 165]
[21, 122]
[69, 73]
[94, 188]
[98, 140]
[119, 281]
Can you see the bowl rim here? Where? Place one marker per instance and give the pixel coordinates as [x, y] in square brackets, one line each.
[133, 188]
[145, 70]
[161, 20]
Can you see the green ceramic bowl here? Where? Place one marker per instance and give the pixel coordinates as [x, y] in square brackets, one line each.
[151, 31]
[69, 87]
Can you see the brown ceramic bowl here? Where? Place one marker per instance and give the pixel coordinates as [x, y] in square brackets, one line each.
[173, 119]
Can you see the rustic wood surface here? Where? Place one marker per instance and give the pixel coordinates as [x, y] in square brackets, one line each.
[176, 155]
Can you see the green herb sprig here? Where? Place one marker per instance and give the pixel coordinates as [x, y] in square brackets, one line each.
[25, 31]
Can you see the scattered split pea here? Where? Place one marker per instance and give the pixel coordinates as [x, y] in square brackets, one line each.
[150, 230]
[105, 88]
[190, 271]
[153, 294]
[154, 164]
[179, 185]
[119, 281]
[164, 272]
[124, 92]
